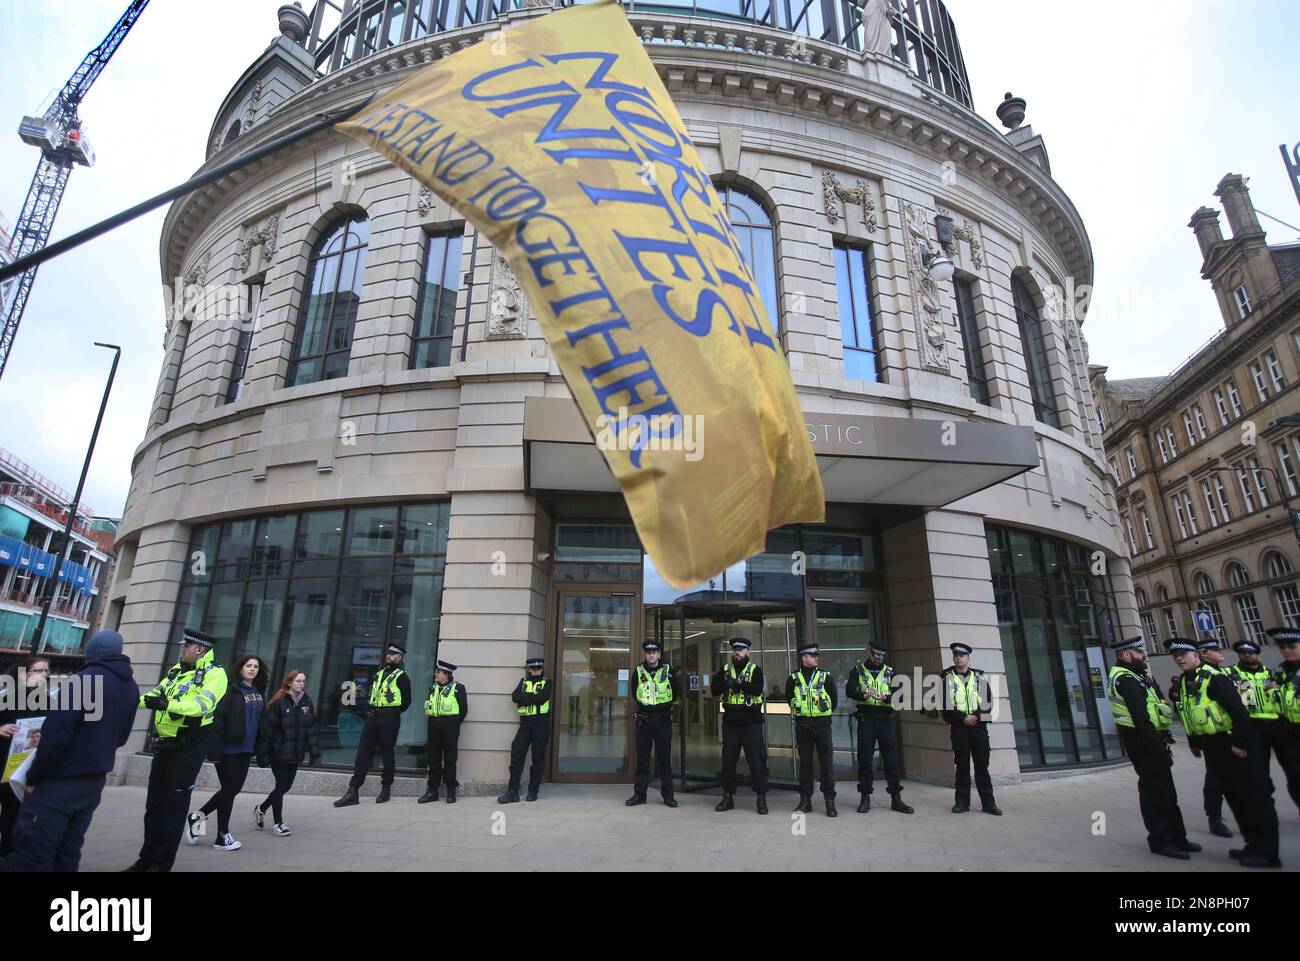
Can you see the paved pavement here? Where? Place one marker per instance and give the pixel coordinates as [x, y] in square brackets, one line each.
[1048, 826]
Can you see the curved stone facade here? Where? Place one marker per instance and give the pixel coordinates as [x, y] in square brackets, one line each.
[838, 145]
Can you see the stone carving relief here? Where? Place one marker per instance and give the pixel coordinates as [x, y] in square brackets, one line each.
[877, 27]
[860, 194]
[267, 236]
[931, 337]
[507, 305]
[965, 231]
[424, 202]
[250, 106]
[196, 276]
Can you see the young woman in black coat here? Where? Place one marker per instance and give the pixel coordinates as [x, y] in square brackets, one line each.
[289, 730]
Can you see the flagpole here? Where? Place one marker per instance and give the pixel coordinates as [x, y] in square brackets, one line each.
[51, 589]
[50, 251]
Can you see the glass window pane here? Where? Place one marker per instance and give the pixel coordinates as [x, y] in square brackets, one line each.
[372, 531]
[838, 560]
[424, 529]
[272, 544]
[600, 543]
[260, 618]
[236, 549]
[320, 534]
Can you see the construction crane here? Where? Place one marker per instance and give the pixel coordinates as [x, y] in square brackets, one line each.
[59, 137]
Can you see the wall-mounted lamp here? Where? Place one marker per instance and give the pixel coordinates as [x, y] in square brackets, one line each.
[937, 262]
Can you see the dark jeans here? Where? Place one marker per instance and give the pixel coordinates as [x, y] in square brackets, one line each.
[532, 734]
[654, 730]
[748, 737]
[1157, 798]
[971, 743]
[284, 775]
[809, 738]
[876, 729]
[1245, 787]
[380, 732]
[171, 781]
[9, 808]
[53, 823]
[444, 746]
[232, 771]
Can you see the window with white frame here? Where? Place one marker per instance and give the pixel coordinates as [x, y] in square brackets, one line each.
[1171, 622]
[1199, 416]
[1257, 377]
[1261, 485]
[1140, 596]
[1209, 504]
[1248, 612]
[1286, 467]
[1164, 448]
[1222, 406]
[1182, 518]
[1277, 565]
[1146, 530]
[1238, 576]
[1101, 416]
[1234, 398]
[1288, 605]
[1114, 471]
[1149, 628]
[1247, 495]
[1191, 513]
[1132, 541]
[1242, 296]
[1173, 445]
[1274, 370]
[1187, 426]
[1132, 463]
[1222, 494]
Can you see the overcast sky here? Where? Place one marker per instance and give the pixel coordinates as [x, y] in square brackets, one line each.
[1143, 106]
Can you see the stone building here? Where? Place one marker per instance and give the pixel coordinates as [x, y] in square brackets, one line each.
[367, 439]
[1204, 459]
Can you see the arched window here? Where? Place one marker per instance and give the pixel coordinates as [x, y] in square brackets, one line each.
[1034, 347]
[1277, 565]
[1237, 575]
[1162, 594]
[329, 310]
[1141, 596]
[1204, 586]
[757, 237]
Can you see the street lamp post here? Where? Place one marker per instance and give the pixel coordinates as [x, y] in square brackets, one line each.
[52, 588]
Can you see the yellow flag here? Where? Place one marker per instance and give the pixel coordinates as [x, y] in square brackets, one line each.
[557, 139]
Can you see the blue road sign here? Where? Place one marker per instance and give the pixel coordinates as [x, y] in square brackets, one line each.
[1204, 621]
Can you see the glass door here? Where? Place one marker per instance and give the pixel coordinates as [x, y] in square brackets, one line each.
[596, 641]
[844, 626]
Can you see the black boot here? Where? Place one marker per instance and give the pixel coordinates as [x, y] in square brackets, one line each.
[830, 808]
[510, 797]
[430, 795]
[531, 796]
[634, 800]
[762, 804]
[727, 803]
[349, 797]
[897, 804]
[865, 804]
[1219, 829]
[805, 804]
[385, 793]
[139, 867]
[451, 794]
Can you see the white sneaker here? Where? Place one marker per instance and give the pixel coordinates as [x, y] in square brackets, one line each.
[281, 830]
[226, 842]
[259, 817]
[194, 825]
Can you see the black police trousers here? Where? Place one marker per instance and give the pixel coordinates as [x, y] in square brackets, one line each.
[175, 767]
[749, 738]
[1245, 787]
[1277, 739]
[809, 738]
[1156, 794]
[444, 746]
[1212, 795]
[876, 729]
[654, 730]
[971, 743]
[533, 734]
[380, 732]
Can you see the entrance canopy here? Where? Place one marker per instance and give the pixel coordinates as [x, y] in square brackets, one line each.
[901, 461]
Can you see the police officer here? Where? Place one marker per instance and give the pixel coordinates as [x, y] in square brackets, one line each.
[813, 698]
[739, 687]
[1212, 658]
[1262, 695]
[390, 696]
[1218, 728]
[1287, 676]
[964, 710]
[183, 705]
[1143, 718]
[870, 685]
[533, 695]
[657, 688]
[446, 707]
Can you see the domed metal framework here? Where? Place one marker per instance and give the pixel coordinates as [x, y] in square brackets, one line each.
[924, 39]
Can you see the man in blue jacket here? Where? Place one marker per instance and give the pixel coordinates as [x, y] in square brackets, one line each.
[79, 742]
